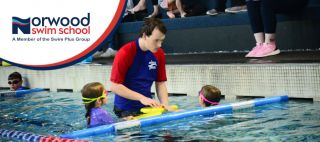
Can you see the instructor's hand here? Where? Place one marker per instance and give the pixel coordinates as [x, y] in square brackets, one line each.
[150, 102]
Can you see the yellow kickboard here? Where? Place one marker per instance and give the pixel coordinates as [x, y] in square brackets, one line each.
[156, 109]
[153, 111]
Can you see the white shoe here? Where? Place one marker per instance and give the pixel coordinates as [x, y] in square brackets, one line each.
[236, 9]
[97, 54]
[109, 53]
[212, 12]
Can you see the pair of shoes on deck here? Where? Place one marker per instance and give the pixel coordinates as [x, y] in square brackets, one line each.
[235, 9]
[263, 50]
[107, 54]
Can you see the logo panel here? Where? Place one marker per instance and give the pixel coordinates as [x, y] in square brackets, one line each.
[56, 35]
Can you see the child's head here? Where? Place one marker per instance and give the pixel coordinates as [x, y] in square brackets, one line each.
[15, 80]
[94, 94]
[209, 96]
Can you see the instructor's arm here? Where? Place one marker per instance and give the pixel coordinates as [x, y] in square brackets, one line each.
[162, 94]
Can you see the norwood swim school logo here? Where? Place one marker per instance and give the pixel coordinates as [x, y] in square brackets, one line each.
[47, 25]
[55, 36]
[52, 26]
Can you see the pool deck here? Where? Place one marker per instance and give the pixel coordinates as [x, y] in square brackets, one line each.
[296, 74]
[233, 58]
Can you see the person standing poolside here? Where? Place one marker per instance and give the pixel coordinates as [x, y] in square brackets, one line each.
[15, 81]
[136, 66]
[94, 96]
[263, 20]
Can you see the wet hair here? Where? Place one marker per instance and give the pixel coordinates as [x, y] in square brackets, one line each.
[15, 75]
[211, 93]
[91, 90]
[150, 24]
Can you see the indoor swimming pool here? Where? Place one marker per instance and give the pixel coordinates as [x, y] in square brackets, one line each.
[56, 113]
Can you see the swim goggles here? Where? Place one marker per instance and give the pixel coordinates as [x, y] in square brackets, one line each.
[13, 82]
[90, 100]
[206, 100]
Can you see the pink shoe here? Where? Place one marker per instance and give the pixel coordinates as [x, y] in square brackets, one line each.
[254, 50]
[268, 49]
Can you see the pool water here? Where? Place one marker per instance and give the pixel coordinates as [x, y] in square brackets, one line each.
[56, 113]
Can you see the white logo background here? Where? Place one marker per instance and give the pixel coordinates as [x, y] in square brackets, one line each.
[39, 53]
[152, 65]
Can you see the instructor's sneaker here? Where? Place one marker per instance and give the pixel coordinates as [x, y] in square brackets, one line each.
[268, 49]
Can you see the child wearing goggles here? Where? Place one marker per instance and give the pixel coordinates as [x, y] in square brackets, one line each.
[15, 81]
[209, 96]
[94, 95]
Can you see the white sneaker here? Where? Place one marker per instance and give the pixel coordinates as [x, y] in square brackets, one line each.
[212, 12]
[109, 53]
[236, 9]
[97, 54]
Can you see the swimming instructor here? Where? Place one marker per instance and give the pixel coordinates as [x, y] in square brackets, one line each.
[136, 66]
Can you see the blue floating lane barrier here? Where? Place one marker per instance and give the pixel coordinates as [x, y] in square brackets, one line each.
[174, 116]
[20, 92]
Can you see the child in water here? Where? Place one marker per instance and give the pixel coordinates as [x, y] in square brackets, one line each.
[209, 96]
[94, 95]
[15, 82]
